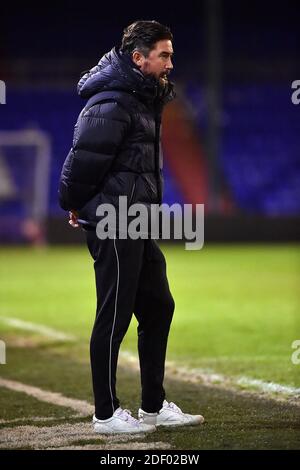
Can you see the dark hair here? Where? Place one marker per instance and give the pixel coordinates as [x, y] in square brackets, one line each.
[142, 36]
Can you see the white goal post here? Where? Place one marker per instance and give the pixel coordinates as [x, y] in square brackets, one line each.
[41, 171]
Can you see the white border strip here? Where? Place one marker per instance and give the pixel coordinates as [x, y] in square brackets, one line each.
[114, 321]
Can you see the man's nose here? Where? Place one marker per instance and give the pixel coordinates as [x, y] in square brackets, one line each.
[169, 65]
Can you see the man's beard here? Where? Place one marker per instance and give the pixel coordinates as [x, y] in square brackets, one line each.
[163, 82]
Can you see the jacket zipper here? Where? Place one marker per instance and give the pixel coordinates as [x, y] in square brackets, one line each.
[157, 170]
[132, 194]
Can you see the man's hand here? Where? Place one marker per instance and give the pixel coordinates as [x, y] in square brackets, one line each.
[73, 219]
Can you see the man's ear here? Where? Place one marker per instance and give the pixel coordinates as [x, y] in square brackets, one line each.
[137, 58]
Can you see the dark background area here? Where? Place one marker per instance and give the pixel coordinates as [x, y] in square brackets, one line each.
[234, 65]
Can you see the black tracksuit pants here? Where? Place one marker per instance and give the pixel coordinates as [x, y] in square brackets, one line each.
[130, 278]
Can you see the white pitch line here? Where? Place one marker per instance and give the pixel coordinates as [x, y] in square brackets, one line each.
[186, 374]
[268, 386]
[36, 419]
[36, 328]
[118, 446]
[179, 373]
[83, 408]
[64, 435]
[67, 435]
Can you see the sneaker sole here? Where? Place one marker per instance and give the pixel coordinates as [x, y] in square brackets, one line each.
[123, 432]
[173, 425]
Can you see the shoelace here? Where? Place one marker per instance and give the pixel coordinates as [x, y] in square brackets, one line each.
[174, 407]
[126, 416]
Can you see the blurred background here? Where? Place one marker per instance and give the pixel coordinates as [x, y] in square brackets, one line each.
[231, 139]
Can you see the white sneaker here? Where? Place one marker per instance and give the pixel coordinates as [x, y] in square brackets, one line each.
[170, 415]
[121, 422]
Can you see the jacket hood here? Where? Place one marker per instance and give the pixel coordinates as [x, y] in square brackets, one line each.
[116, 71]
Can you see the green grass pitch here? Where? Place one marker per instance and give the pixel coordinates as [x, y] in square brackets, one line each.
[237, 314]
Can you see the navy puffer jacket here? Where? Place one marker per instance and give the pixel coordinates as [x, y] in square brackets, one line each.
[116, 147]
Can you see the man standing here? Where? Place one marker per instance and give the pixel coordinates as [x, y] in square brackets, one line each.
[116, 152]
